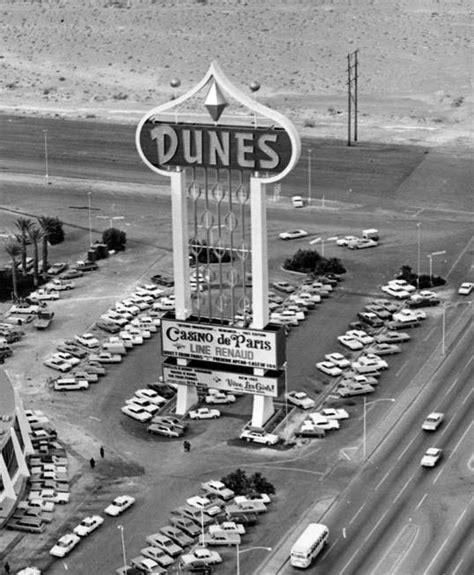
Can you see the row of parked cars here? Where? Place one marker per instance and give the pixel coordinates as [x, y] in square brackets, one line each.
[48, 484]
[215, 517]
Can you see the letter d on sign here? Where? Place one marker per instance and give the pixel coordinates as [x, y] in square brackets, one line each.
[166, 142]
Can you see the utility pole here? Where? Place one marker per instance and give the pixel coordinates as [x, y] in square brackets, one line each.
[352, 96]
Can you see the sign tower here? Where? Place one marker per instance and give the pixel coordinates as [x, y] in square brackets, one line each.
[220, 147]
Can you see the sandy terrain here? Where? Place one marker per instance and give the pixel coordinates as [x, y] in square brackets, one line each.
[115, 59]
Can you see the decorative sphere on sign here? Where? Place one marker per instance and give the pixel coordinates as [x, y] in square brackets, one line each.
[175, 83]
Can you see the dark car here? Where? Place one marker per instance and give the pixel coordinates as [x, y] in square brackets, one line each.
[86, 266]
[163, 389]
[71, 274]
[247, 519]
[199, 567]
[422, 302]
[108, 326]
[370, 318]
[162, 280]
[70, 347]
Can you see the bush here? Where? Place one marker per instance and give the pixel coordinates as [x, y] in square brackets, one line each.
[200, 251]
[311, 262]
[241, 484]
[56, 233]
[425, 281]
[114, 239]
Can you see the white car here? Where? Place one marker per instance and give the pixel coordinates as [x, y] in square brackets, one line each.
[300, 399]
[65, 544]
[350, 342]
[136, 412]
[338, 359]
[227, 527]
[64, 356]
[58, 364]
[105, 357]
[204, 413]
[87, 340]
[329, 368]
[332, 413]
[259, 437]
[370, 360]
[145, 565]
[151, 396]
[293, 235]
[361, 335]
[218, 488]
[409, 315]
[215, 398]
[143, 403]
[431, 457]
[128, 307]
[323, 422]
[158, 555]
[153, 290]
[402, 284]
[60, 285]
[200, 556]
[384, 348]
[465, 288]
[119, 505]
[132, 338]
[361, 244]
[165, 303]
[115, 317]
[344, 241]
[43, 294]
[88, 525]
[144, 332]
[433, 421]
[352, 377]
[396, 291]
[146, 323]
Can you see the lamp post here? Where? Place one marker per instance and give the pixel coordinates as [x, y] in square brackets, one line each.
[323, 240]
[45, 132]
[89, 199]
[245, 551]
[120, 528]
[111, 219]
[364, 441]
[285, 367]
[309, 175]
[418, 225]
[430, 257]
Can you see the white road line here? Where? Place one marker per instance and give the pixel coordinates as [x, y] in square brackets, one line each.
[429, 335]
[349, 562]
[421, 501]
[406, 448]
[442, 546]
[331, 546]
[404, 487]
[460, 440]
[438, 474]
[467, 397]
[452, 385]
[376, 525]
[457, 566]
[401, 368]
[360, 509]
[383, 479]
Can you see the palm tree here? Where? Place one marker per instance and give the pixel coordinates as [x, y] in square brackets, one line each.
[23, 224]
[36, 236]
[46, 224]
[13, 249]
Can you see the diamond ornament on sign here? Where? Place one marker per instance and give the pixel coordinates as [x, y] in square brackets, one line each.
[215, 102]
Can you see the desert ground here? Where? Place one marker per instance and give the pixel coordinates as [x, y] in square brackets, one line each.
[115, 59]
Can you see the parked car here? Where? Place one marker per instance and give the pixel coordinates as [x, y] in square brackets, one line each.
[355, 389]
[396, 291]
[58, 364]
[300, 399]
[94, 367]
[329, 368]
[71, 274]
[27, 524]
[87, 340]
[107, 325]
[177, 535]
[284, 286]
[259, 436]
[85, 375]
[333, 413]
[57, 268]
[222, 397]
[392, 337]
[344, 241]
[293, 235]
[119, 505]
[465, 288]
[70, 384]
[338, 359]
[220, 538]
[88, 525]
[325, 423]
[204, 413]
[163, 389]
[158, 555]
[143, 403]
[85, 266]
[165, 430]
[187, 525]
[145, 564]
[42, 294]
[218, 488]
[71, 348]
[244, 505]
[106, 357]
[432, 457]
[227, 527]
[361, 335]
[65, 544]
[200, 555]
[350, 342]
[60, 285]
[384, 349]
[170, 420]
[136, 412]
[433, 421]
[165, 543]
[151, 396]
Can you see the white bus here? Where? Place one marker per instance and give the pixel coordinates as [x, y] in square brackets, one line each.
[308, 545]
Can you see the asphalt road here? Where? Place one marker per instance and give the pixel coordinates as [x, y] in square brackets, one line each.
[163, 480]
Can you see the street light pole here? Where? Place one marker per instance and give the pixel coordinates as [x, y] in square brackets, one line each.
[430, 257]
[45, 132]
[285, 367]
[120, 528]
[418, 225]
[89, 194]
[245, 551]
[309, 175]
[443, 329]
[364, 441]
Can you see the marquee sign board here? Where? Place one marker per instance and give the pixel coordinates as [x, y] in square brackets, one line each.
[261, 141]
[254, 348]
[224, 380]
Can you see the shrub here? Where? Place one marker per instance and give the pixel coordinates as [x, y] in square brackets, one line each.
[311, 262]
[241, 484]
[114, 239]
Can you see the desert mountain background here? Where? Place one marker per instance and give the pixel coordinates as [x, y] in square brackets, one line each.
[115, 59]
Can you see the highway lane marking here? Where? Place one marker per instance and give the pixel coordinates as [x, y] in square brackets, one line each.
[460, 440]
[349, 562]
[429, 335]
[401, 368]
[398, 556]
[406, 448]
[458, 565]
[451, 386]
[467, 366]
[421, 501]
[383, 479]
[467, 397]
[443, 545]
[376, 525]
[404, 487]
[458, 259]
[360, 509]
[438, 474]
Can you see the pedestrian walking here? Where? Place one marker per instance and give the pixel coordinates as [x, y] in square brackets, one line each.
[187, 446]
[92, 462]
[102, 452]
[7, 568]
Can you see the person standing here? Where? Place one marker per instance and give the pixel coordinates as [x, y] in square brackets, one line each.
[102, 452]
